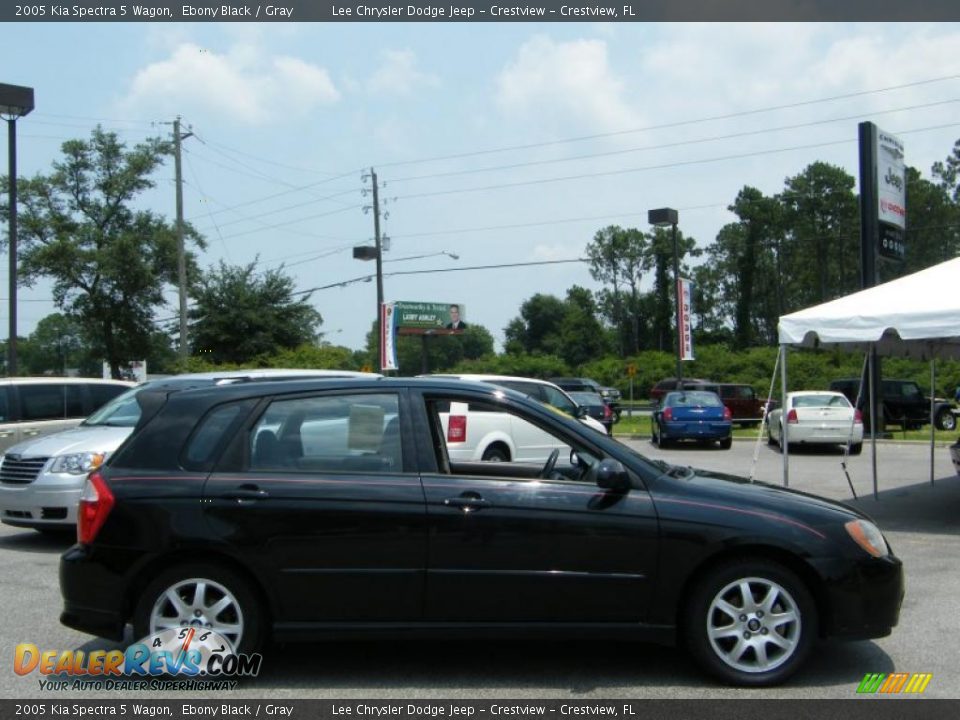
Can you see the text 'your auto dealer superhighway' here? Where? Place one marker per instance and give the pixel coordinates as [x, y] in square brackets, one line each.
[387, 12]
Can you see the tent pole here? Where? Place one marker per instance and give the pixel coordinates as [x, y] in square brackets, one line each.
[873, 419]
[933, 384]
[784, 442]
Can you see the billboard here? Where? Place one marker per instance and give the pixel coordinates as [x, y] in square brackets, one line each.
[891, 184]
[417, 318]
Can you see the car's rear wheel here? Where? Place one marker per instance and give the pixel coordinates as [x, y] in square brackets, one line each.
[750, 622]
[205, 597]
[496, 453]
[662, 442]
[946, 420]
[856, 448]
[726, 443]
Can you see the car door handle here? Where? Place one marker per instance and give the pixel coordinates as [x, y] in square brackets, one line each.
[245, 492]
[468, 502]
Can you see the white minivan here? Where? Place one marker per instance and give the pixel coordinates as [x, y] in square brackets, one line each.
[41, 479]
[476, 433]
[34, 406]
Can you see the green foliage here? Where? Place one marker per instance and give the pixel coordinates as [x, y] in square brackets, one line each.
[108, 262]
[56, 345]
[520, 365]
[239, 314]
[443, 351]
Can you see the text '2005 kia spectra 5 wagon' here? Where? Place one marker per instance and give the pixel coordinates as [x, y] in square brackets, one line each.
[306, 509]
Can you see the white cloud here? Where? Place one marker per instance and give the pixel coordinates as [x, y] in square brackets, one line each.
[572, 79]
[241, 83]
[398, 74]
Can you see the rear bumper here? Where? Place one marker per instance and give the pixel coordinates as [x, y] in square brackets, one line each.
[680, 430]
[93, 596]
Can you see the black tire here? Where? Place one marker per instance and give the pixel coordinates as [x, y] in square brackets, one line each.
[946, 420]
[726, 443]
[770, 440]
[856, 448]
[496, 453]
[616, 414]
[725, 656]
[662, 442]
[251, 613]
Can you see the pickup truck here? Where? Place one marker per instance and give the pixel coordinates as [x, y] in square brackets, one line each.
[903, 403]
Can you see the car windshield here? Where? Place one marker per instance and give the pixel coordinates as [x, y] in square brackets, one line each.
[587, 399]
[818, 401]
[122, 411]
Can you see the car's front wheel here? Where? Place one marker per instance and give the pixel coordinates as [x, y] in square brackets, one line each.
[946, 420]
[204, 597]
[750, 622]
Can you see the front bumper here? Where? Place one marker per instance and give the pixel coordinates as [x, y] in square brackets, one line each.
[862, 600]
[48, 501]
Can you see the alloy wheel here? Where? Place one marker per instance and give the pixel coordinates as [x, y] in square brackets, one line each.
[199, 603]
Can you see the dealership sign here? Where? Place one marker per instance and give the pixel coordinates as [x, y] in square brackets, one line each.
[685, 293]
[891, 184]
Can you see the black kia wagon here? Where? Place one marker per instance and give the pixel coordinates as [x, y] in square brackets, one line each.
[307, 509]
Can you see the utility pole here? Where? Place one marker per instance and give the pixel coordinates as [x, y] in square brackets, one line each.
[379, 253]
[181, 253]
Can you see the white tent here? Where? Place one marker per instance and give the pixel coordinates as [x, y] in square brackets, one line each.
[916, 316]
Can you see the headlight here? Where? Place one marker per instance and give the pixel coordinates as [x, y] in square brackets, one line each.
[868, 536]
[77, 463]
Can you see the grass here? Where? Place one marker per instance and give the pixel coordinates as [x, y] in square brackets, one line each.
[640, 425]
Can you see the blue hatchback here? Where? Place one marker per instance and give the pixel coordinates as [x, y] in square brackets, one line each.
[692, 415]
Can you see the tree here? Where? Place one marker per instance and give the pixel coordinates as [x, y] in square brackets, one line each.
[443, 351]
[617, 260]
[56, 344]
[538, 329]
[239, 314]
[109, 262]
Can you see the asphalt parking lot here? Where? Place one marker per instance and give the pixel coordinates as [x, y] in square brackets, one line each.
[922, 523]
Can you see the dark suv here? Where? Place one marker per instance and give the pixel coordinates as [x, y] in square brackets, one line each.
[331, 508]
[903, 403]
[611, 396]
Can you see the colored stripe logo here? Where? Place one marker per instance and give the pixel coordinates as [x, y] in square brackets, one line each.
[894, 683]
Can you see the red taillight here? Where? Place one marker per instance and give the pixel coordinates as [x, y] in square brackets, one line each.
[668, 414]
[457, 428]
[95, 504]
[792, 417]
[857, 417]
[727, 415]
[607, 412]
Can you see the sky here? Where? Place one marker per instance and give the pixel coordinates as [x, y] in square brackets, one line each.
[500, 143]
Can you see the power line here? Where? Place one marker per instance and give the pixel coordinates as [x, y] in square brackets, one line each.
[661, 166]
[268, 161]
[292, 222]
[665, 146]
[197, 180]
[678, 123]
[246, 218]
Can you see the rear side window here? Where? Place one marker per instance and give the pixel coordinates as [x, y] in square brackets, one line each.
[202, 447]
[329, 434]
[42, 402]
[4, 405]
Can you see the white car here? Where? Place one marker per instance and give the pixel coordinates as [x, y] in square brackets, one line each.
[41, 479]
[817, 417]
[477, 434]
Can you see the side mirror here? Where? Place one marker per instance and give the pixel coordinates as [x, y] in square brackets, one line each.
[611, 475]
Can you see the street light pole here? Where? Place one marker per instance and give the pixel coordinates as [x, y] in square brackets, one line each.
[378, 245]
[663, 217]
[15, 102]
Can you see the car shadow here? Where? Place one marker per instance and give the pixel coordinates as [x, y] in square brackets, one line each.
[32, 541]
[580, 667]
[920, 507]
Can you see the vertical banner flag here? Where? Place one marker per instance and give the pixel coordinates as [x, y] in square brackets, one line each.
[388, 337]
[685, 293]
